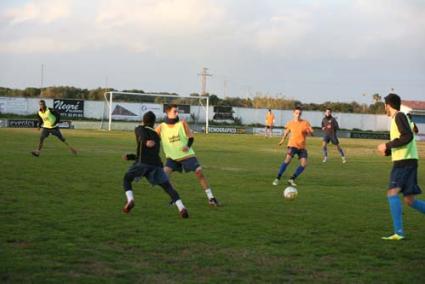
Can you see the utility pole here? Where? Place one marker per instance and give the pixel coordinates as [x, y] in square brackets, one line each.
[204, 74]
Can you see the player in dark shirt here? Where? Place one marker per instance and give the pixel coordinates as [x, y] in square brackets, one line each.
[330, 127]
[148, 164]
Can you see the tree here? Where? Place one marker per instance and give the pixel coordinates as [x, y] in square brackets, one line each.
[376, 98]
[214, 100]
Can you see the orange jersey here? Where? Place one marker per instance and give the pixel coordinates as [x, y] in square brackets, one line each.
[269, 119]
[298, 131]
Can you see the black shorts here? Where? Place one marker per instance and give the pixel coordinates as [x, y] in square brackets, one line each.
[188, 165]
[405, 178]
[302, 153]
[45, 132]
[154, 174]
[331, 138]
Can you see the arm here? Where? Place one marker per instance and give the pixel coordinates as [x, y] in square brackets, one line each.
[158, 130]
[336, 125]
[309, 130]
[139, 134]
[285, 134]
[187, 130]
[189, 134]
[56, 115]
[40, 121]
[415, 128]
[406, 134]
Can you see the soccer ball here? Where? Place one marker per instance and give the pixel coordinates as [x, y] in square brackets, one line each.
[290, 193]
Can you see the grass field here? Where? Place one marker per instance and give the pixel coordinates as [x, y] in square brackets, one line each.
[61, 219]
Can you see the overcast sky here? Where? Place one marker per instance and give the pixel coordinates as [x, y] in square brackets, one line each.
[312, 51]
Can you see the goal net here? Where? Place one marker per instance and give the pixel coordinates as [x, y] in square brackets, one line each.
[124, 110]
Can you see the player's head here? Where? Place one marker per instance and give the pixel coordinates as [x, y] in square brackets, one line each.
[149, 119]
[270, 110]
[328, 112]
[392, 103]
[171, 111]
[297, 112]
[42, 104]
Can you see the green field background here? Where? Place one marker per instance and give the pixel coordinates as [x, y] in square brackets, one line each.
[61, 218]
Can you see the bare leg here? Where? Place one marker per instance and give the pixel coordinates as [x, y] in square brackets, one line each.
[202, 179]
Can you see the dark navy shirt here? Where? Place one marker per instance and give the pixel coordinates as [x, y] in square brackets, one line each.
[145, 154]
[331, 125]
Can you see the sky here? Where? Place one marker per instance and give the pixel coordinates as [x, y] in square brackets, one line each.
[312, 51]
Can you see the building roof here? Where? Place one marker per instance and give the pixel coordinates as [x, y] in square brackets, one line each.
[414, 105]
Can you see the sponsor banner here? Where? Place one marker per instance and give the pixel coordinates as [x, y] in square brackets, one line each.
[370, 135]
[182, 109]
[32, 123]
[135, 112]
[227, 130]
[69, 108]
[223, 113]
[261, 131]
[22, 123]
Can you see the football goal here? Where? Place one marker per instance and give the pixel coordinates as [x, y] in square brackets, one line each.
[128, 106]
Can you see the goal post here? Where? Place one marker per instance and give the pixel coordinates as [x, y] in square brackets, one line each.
[135, 109]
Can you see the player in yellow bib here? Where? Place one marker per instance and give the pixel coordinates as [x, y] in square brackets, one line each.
[177, 140]
[404, 174]
[48, 120]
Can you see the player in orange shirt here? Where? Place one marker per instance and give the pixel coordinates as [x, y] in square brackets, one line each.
[269, 123]
[299, 129]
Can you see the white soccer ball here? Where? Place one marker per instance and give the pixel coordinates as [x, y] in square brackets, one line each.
[290, 193]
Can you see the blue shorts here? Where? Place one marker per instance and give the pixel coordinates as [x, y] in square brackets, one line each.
[330, 138]
[154, 174]
[188, 165]
[302, 153]
[405, 178]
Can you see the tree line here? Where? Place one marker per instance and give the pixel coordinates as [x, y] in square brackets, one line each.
[258, 101]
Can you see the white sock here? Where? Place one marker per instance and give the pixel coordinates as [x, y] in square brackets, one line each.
[179, 205]
[209, 193]
[129, 195]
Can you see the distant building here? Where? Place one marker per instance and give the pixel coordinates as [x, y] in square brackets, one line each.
[417, 110]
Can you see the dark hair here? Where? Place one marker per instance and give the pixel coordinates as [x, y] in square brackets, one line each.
[169, 107]
[149, 119]
[298, 108]
[393, 100]
[328, 108]
[270, 109]
[42, 102]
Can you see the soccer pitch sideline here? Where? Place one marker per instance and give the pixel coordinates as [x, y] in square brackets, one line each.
[61, 218]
